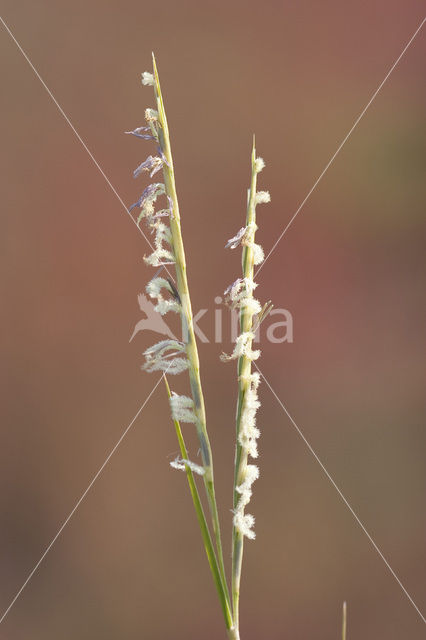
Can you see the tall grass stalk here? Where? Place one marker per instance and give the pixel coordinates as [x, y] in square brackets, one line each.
[344, 620]
[244, 372]
[173, 356]
[240, 296]
[187, 320]
[169, 250]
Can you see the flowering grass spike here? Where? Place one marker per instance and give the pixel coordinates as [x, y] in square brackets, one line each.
[240, 296]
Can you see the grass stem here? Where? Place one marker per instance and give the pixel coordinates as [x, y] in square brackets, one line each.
[344, 620]
[188, 327]
[205, 533]
[244, 370]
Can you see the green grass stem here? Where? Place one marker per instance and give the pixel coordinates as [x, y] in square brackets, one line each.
[188, 327]
[205, 533]
[244, 370]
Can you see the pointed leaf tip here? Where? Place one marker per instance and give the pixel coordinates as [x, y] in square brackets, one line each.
[154, 64]
[253, 150]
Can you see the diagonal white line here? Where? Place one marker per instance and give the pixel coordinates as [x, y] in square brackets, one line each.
[329, 163]
[341, 494]
[77, 135]
[80, 500]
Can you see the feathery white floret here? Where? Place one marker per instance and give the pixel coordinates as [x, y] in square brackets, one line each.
[247, 437]
[147, 200]
[152, 165]
[182, 408]
[154, 286]
[262, 197]
[244, 523]
[244, 489]
[251, 305]
[248, 241]
[239, 295]
[242, 348]
[249, 433]
[160, 348]
[259, 164]
[164, 305]
[236, 240]
[151, 115]
[160, 357]
[161, 255]
[179, 463]
[147, 78]
[239, 286]
[158, 189]
[258, 253]
[174, 366]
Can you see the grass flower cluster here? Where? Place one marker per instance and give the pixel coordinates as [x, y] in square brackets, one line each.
[174, 357]
[171, 356]
[240, 296]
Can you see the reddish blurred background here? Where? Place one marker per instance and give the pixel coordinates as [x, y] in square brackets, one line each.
[130, 563]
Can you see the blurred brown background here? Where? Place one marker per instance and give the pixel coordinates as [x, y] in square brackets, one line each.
[351, 270]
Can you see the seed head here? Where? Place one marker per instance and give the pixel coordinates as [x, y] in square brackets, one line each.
[147, 78]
